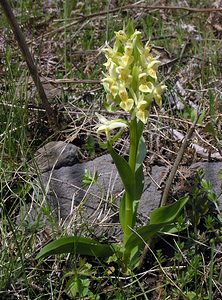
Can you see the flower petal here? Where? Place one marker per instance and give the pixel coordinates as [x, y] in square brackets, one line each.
[146, 88]
[102, 119]
[142, 111]
[127, 105]
[157, 94]
[117, 124]
[121, 35]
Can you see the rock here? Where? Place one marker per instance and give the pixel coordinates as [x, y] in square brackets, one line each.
[66, 192]
[55, 155]
[212, 170]
[60, 184]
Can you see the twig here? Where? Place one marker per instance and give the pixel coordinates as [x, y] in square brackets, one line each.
[177, 161]
[150, 7]
[67, 80]
[30, 63]
[131, 6]
[190, 9]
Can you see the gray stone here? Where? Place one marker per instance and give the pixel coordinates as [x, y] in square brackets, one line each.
[96, 206]
[66, 191]
[55, 155]
[212, 170]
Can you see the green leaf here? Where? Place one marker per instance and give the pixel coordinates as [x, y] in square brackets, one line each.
[142, 234]
[161, 221]
[167, 214]
[139, 177]
[141, 154]
[124, 171]
[136, 242]
[78, 245]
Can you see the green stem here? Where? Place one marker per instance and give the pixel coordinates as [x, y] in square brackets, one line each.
[129, 216]
[135, 135]
[132, 164]
[133, 145]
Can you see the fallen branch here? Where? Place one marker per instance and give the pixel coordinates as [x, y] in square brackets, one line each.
[128, 7]
[74, 81]
[177, 161]
[150, 8]
[30, 63]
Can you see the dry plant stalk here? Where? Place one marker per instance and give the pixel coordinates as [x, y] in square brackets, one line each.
[19, 36]
[177, 161]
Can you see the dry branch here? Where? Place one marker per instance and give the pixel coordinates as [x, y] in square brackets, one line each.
[177, 161]
[30, 63]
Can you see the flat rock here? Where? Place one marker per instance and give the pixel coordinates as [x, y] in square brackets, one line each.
[60, 184]
[55, 155]
[66, 191]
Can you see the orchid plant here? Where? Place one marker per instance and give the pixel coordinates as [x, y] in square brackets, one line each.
[131, 84]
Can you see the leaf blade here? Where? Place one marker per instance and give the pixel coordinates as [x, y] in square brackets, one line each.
[78, 245]
[124, 171]
[168, 213]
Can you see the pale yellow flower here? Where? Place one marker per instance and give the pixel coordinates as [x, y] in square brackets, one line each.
[153, 92]
[147, 50]
[124, 75]
[135, 35]
[158, 90]
[126, 102]
[110, 85]
[126, 60]
[152, 68]
[107, 125]
[128, 49]
[121, 35]
[144, 85]
[131, 75]
[123, 92]
[108, 63]
[109, 52]
[112, 70]
[142, 111]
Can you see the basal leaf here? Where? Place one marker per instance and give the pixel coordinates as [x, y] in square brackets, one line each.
[78, 245]
[162, 220]
[135, 244]
[136, 241]
[142, 234]
[167, 214]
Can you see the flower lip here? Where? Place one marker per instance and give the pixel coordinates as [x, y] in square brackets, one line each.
[108, 125]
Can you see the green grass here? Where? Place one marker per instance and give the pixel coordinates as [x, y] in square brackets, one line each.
[73, 52]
